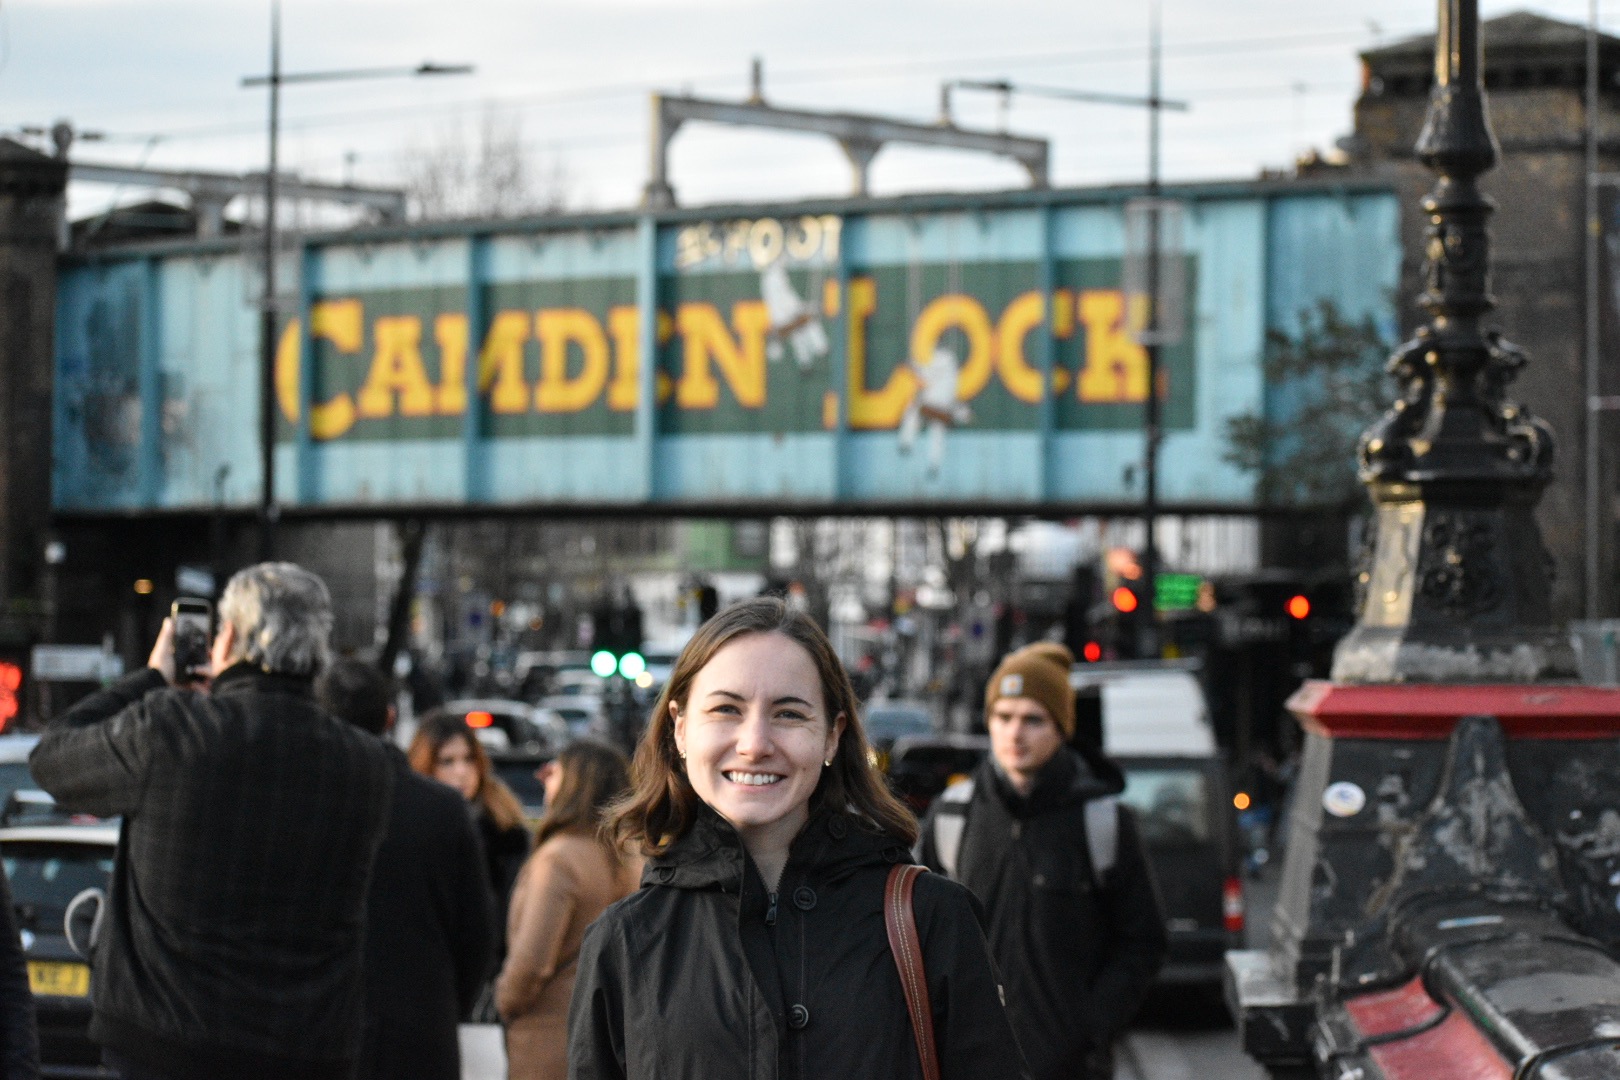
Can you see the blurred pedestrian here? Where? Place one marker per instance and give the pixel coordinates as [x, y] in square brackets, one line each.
[232, 945]
[430, 917]
[573, 875]
[446, 750]
[19, 1032]
[757, 945]
[1038, 835]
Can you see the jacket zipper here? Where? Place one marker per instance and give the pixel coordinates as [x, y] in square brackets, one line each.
[770, 912]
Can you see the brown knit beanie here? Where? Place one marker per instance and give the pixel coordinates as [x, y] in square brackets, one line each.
[1039, 671]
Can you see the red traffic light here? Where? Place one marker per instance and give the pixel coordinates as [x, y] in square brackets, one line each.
[1299, 606]
[1092, 652]
[10, 677]
[1125, 600]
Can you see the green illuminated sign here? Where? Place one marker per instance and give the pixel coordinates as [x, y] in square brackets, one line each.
[1176, 592]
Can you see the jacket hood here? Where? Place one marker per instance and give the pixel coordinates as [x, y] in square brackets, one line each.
[1074, 775]
[245, 678]
[832, 845]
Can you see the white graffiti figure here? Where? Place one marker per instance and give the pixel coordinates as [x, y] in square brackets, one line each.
[792, 319]
[935, 403]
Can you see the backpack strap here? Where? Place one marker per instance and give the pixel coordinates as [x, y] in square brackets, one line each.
[1102, 836]
[950, 823]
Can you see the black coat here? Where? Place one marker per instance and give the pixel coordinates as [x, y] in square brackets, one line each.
[505, 852]
[19, 1034]
[704, 975]
[430, 933]
[232, 940]
[1077, 961]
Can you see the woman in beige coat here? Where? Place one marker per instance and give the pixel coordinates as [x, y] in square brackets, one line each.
[573, 875]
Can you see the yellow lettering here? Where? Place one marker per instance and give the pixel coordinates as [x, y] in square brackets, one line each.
[500, 363]
[872, 409]
[1115, 367]
[557, 329]
[741, 360]
[342, 322]
[968, 315]
[396, 371]
[624, 323]
[450, 396]
[1022, 315]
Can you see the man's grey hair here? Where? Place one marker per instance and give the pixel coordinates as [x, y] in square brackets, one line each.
[283, 618]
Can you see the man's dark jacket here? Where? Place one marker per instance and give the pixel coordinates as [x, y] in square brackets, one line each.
[19, 1033]
[705, 973]
[430, 932]
[232, 943]
[1076, 960]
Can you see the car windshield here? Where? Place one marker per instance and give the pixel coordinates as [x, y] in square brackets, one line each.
[14, 776]
[1171, 804]
[45, 877]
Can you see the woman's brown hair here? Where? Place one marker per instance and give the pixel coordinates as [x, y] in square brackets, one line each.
[493, 795]
[593, 777]
[661, 805]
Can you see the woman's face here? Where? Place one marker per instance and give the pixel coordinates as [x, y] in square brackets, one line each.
[454, 766]
[550, 776]
[755, 733]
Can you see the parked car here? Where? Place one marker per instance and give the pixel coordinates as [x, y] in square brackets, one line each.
[1155, 725]
[504, 725]
[48, 863]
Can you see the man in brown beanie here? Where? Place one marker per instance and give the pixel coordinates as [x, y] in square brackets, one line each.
[1037, 833]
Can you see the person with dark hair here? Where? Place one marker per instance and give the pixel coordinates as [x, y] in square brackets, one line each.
[572, 877]
[445, 749]
[1038, 834]
[430, 916]
[232, 941]
[757, 944]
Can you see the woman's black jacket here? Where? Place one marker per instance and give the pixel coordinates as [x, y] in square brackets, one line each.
[705, 975]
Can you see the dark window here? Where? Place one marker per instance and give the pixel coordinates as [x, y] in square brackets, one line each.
[45, 877]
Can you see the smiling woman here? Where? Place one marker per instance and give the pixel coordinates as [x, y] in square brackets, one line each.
[757, 946]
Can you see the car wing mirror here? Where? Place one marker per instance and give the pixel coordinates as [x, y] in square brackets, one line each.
[82, 922]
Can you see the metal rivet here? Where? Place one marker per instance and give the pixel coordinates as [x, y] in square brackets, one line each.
[798, 1017]
[804, 898]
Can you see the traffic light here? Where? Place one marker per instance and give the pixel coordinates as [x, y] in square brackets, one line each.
[618, 641]
[11, 678]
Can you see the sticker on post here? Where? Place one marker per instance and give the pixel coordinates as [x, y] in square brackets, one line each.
[1344, 799]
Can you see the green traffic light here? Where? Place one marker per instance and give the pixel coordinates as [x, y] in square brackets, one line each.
[604, 663]
[631, 665]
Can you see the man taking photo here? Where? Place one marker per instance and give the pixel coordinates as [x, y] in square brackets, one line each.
[1037, 834]
[232, 941]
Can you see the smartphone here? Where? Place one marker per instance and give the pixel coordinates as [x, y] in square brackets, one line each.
[193, 619]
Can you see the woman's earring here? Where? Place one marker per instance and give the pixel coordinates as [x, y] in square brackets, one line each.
[682, 753]
[828, 763]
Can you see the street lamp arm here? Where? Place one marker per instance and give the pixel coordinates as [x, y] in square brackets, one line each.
[425, 68]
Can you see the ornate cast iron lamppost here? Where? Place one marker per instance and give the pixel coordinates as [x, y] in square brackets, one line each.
[1458, 583]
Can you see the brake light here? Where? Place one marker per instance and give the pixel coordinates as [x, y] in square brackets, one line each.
[480, 719]
[1232, 905]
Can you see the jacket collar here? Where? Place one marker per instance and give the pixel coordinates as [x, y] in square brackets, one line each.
[245, 678]
[1072, 776]
[831, 845]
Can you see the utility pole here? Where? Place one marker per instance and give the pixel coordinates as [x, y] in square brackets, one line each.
[1150, 413]
[269, 512]
[1593, 603]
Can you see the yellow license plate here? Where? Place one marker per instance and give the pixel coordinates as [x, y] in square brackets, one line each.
[59, 980]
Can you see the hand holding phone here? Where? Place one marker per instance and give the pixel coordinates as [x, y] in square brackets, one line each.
[192, 620]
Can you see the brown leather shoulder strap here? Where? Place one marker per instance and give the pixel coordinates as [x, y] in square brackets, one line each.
[908, 957]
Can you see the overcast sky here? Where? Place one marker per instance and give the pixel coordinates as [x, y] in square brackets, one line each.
[1266, 79]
